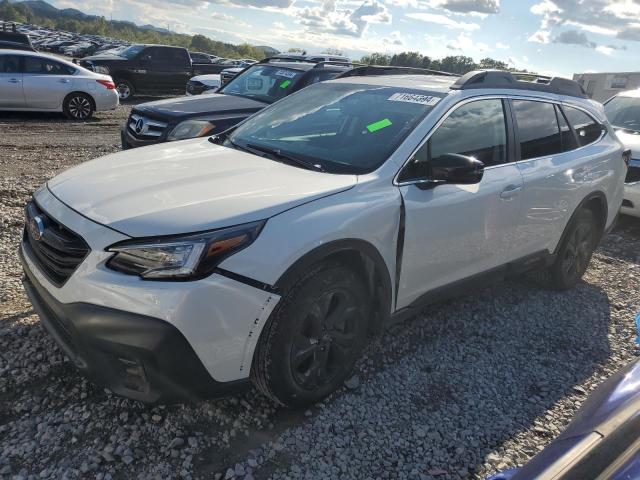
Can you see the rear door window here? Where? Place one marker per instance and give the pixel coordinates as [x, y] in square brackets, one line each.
[538, 129]
[46, 66]
[567, 137]
[586, 127]
[9, 63]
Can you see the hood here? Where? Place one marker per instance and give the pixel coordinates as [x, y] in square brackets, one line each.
[630, 140]
[104, 57]
[216, 104]
[211, 77]
[188, 186]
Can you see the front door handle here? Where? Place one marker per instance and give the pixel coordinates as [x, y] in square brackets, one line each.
[64, 80]
[510, 192]
[14, 80]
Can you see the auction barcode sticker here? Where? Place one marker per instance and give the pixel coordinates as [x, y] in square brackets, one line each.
[286, 73]
[414, 98]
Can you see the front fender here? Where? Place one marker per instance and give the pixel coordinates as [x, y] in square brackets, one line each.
[357, 216]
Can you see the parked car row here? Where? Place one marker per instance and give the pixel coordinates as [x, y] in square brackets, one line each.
[256, 87]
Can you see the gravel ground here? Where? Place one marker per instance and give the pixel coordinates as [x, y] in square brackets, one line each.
[472, 386]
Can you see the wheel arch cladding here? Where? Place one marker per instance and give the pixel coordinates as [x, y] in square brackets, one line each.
[364, 258]
[597, 203]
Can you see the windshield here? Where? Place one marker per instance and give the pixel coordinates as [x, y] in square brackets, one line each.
[266, 83]
[131, 51]
[624, 112]
[339, 127]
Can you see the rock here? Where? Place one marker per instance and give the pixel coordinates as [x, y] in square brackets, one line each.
[353, 382]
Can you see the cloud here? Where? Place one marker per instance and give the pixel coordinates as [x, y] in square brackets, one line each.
[615, 18]
[222, 16]
[574, 37]
[329, 18]
[259, 4]
[502, 46]
[442, 20]
[465, 43]
[487, 7]
[395, 39]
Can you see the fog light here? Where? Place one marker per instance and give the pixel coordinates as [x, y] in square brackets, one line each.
[135, 377]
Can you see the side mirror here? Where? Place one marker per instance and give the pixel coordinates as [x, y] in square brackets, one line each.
[456, 169]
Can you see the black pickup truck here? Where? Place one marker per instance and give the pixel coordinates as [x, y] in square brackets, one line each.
[149, 69]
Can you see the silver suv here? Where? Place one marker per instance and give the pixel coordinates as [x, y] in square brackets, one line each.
[269, 252]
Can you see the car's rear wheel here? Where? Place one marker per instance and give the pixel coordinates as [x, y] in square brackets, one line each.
[575, 252]
[78, 106]
[125, 89]
[313, 338]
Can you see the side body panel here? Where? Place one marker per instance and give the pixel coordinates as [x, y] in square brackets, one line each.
[456, 231]
[555, 185]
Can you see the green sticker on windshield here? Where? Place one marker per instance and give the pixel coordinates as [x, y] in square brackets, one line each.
[285, 84]
[374, 127]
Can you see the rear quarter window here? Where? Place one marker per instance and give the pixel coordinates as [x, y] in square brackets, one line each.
[587, 129]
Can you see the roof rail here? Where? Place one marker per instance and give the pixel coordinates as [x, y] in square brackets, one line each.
[503, 79]
[369, 70]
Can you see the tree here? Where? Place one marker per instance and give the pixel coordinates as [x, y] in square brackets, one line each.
[457, 64]
[376, 59]
[494, 64]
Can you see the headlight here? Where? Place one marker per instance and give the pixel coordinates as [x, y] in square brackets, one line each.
[101, 69]
[182, 257]
[191, 129]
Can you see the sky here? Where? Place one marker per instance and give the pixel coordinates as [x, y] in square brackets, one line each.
[554, 37]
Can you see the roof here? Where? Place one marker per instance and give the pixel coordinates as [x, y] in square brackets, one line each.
[431, 83]
[10, 51]
[305, 66]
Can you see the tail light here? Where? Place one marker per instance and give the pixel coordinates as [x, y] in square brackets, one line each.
[112, 86]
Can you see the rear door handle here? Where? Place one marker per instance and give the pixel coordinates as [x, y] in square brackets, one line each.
[510, 192]
[64, 80]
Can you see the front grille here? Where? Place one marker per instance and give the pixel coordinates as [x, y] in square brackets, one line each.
[57, 250]
[144, 127]
[633, 173]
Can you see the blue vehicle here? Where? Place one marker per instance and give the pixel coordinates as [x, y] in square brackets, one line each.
[602, 441]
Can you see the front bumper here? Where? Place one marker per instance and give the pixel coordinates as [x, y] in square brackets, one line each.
[218, 319]
[133, 355]
[631, 202]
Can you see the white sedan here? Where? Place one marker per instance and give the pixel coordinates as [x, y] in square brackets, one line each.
[31, 81]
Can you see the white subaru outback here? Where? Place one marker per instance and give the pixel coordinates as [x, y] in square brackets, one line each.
[268, 253]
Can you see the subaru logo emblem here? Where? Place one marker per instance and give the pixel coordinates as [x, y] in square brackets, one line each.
[139, 125]
[36, 227]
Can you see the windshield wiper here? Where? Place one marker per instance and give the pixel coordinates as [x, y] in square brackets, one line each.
[279, 154]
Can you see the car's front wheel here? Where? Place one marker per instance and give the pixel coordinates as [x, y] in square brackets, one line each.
[314, 337]
[78, 106]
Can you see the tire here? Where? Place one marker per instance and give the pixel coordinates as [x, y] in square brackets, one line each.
[125, 89]
[78, 106]
[313, 338]
[574, 254]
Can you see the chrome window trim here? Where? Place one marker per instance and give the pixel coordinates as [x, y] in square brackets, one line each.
[448, 113]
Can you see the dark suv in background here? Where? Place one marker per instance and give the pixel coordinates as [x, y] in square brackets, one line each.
[147, 69]
[255, 88]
